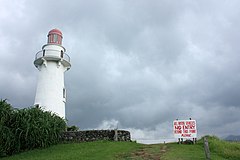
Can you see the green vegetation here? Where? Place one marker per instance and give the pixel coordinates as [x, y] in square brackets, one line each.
[105, 150]
[72, 128]
[227, 150]
[184, 152]
[220, 150]
[169, 151]
[100, 150]
[25, 129]
[22, 130]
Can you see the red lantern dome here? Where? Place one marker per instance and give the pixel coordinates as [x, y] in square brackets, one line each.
[55, 37]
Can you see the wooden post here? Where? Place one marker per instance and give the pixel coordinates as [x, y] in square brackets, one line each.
[194, 140]
[206, 148]
[115, 135]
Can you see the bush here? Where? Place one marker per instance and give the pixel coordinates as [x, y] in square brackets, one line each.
[72, 128]
[25, 129]
[228, 150]
[7, 139]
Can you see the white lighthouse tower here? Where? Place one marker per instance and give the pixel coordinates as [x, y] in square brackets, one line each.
[52, 62]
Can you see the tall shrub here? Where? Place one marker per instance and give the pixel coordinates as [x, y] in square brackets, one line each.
[7, 138]
[29, 128]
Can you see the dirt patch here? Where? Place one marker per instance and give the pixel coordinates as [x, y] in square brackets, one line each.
[163, 149]
[149, 152]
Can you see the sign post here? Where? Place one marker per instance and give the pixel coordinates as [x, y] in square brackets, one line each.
[185, 129]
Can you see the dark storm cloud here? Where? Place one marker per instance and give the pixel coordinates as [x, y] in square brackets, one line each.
[138, 64]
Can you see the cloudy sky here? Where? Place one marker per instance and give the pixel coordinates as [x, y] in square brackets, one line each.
[138, 64]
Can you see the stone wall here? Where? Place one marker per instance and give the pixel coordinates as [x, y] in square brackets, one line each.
[96, 135]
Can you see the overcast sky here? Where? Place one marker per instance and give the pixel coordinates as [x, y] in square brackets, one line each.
[138, 64]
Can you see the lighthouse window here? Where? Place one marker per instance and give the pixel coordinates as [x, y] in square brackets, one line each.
[54, 38]
[50, 38]
[61, 54]
[64, 93]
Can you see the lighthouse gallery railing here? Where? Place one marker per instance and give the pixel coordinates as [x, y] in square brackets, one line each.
[58, 54]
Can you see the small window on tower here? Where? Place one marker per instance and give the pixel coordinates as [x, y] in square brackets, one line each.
[64, 93]
[61, 54]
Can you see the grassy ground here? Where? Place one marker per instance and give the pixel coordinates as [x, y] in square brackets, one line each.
[104, 150]
[228, 150]
[187, 152]
[101, 150]
[171, 151]
[220, 150]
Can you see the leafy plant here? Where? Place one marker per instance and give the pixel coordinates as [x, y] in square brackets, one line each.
[7, 138]
[229, 150]
[25, 129]
[72, 128]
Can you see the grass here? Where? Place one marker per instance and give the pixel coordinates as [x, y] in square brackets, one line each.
[228, 150]
[105, 150]
[171, 151]
[187, 152]
[219, 150]
[100, 150]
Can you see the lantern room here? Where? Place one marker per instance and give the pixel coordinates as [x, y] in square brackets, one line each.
[55, 37]
[53, 51]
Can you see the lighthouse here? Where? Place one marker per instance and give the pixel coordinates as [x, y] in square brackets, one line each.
[52, 62]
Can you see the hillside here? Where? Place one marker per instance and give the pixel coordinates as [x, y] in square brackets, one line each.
[104, 150]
